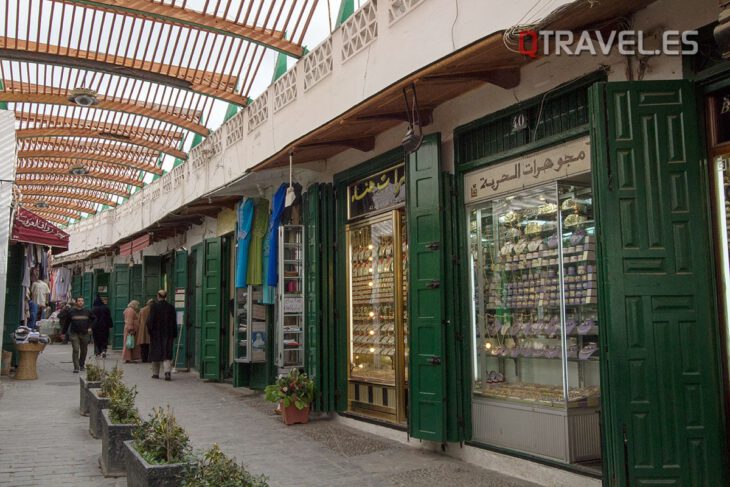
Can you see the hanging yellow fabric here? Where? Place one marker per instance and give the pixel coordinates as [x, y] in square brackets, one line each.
[256, 250]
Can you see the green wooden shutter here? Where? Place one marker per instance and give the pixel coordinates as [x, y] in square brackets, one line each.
[328, 301]
[426, 315]
[153, 278]
[136, 284]
[76, 286]
[121, 281]
[312, 304]
[661, 389]
[13, 297]
[101, 280]
[180, 281]
[198, 252]
[87, 288]
[211, 319]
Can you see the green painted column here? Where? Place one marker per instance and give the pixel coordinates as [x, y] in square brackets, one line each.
[347, 8]
[3, 105]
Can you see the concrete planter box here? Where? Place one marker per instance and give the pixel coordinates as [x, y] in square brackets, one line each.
[96, 404]
[84, 386]
[142, 474]
[113, 436]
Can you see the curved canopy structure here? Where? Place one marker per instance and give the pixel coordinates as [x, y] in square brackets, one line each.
[105, 91]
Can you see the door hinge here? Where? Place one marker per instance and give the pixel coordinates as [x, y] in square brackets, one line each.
[446, 322]
[435, 360]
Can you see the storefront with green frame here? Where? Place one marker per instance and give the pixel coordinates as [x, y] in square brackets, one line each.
[661, 394]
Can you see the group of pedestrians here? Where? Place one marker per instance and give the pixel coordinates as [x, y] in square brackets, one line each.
[149, 333]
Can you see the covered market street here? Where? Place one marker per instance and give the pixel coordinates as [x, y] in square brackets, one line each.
[45, 442]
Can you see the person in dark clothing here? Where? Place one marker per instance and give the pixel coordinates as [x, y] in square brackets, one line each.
[78, 327]
[101, 327]
[63, 318]
[162, 328]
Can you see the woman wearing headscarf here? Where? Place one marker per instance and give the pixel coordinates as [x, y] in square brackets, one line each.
[131, 327]
[102, 325]
[143, 337]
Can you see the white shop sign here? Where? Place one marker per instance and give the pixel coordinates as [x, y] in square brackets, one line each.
[557, 162]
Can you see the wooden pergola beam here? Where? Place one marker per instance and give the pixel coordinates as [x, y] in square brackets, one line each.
[197, 20]
[62, 169]
[203, 82]
[77, 195]
[30, 93]
[71, 122]
[74, 182]
[56, 202]
[88, 156]
[97, 134]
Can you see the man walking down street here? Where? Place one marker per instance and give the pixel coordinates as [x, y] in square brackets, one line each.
[77, 327]
[162, 329]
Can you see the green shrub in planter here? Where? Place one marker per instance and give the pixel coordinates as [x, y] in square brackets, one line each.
[111, 381]
[94, 373]
[160, 439]
[215, 469]
[121, 405]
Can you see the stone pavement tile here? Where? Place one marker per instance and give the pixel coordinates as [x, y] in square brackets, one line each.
[58, 450]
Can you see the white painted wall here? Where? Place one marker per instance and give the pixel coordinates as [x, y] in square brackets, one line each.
[7, 175]
[422, 36]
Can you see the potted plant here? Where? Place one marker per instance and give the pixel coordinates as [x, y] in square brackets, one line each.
[94, 374]
[118, 423]
[98, 399]
[294, 392]
[159, 453]
[214, 468]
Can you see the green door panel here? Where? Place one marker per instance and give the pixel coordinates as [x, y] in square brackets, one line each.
[426, 313]
[660, 370]
[312, 303]
[180, 281]
[152, 278]
[211, 310]
[198, 304]
[136, 284]
[76, 288]
[101, 282]
[120, 292]
[328, 291]
[87, 288]
[13, 297]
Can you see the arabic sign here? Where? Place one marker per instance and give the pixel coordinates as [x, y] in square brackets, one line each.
[293, 304]
[541, 167]
[378, 192]
[30, 228]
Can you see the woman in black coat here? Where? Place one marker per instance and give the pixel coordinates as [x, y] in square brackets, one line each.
[101, 327]
[162, 327]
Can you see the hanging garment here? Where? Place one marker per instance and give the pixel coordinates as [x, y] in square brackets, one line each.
[255, 275]
[62, 284]
[26, 267]
[272, 237]
[243, 240]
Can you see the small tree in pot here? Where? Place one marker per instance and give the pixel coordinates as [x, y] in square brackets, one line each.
[294, 392]
[159, 453]
[118, 424]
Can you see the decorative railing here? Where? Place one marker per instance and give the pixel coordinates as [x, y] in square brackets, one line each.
[285, 90]
[318, 64]
[397, 9]
[359, 30]
[258, 111]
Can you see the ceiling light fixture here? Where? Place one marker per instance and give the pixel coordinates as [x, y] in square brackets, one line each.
[41, 204]
[78, 170]
[83, 97]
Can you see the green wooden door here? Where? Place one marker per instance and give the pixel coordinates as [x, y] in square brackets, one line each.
[13, 297]
[136, 284]
[211, 309]
[76, 289]
[153, 278]
[101, 283]
[660, 372]
[120, 292]
[180, 282]
[427, 361]
[198, 263]
[87, 288]
[319, 293]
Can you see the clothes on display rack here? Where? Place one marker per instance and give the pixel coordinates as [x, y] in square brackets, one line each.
[243, 240]
[255, 275]
[271, 249]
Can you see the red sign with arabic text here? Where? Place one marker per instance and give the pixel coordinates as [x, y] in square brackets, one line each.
[30, 228]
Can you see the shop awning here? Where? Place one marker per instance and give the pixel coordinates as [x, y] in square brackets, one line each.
[30, 228]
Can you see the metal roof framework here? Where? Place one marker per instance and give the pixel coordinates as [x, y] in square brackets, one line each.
[157, 67]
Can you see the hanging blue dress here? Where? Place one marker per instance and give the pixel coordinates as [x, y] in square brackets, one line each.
[243, 237]
[271, 247]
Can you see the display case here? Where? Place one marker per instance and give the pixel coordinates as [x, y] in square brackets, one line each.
[290, 303]
[377, 251]
[535, 320]
[251, 325]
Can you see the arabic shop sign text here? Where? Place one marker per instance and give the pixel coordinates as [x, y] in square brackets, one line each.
[381, 191]
[555, 163]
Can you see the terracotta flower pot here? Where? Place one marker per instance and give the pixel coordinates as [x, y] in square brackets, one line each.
[292, 415]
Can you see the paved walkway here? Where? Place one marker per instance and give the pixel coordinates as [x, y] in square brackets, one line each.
[44, 441]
